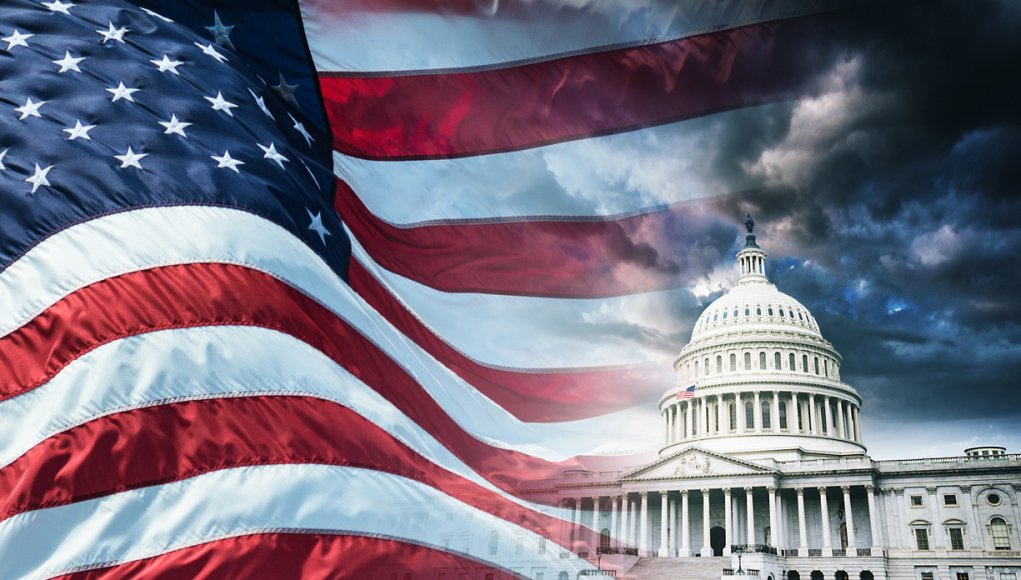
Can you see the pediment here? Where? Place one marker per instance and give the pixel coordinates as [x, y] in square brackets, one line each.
[695, 462]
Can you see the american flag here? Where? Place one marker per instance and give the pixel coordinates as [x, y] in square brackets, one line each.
[273, 301]
[688, 393]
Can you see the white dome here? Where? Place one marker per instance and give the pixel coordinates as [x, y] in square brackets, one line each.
[754, 305]
[758, 379]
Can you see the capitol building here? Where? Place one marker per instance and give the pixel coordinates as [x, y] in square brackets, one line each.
[762, 469]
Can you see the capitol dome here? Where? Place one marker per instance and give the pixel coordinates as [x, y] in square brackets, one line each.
[758, 379]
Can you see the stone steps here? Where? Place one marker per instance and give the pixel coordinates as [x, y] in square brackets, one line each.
[678, 568]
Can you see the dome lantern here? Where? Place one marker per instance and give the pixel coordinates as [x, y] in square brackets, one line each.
[751, 259]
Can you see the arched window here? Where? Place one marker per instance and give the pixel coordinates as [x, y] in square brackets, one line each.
[793, 575]
[758, 311]
[719, 364]
[781, 312]
[766, 424]
[563, 576]
[791, 365]
[826, 367]
[783, 415]
[762, 361]
[1000, 532]
[732, 422]
[801, 419]
[816, 365]
[777, 361]
[770, 311]
[749, 415]
[804, 363]
[735, 312]
[747, 361]
[696, 368]
[747, 311]
[724, 314]
[705, 365]
[733, 362]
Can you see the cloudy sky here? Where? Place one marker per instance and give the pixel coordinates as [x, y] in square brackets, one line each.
[889, 197]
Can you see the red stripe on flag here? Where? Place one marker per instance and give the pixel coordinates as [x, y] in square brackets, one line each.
[166, 443]
[282, 555]
[551, 258]
[469, 113]
[165, 298]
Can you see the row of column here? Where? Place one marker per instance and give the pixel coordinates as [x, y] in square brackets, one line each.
[709, 415]
[630, 521]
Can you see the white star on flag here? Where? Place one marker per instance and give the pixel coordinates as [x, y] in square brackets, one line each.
[317, 225]
[16, 39]
[220, 104]
[262, 104]
[167, 65]
[69, 63]
[30, 108]
[58, 6]
[221, 33]
[79, 130]
[156, 15]
[211, 51]
[122, 92]
[174, 126]
[131, 159]
[2, 155]
[272, 154]
[39, 178]
[300, 128]
[228, 162]
[113, 34]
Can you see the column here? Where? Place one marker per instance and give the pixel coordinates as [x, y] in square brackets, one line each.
[902, 518]
[576, 524]
[728, 537]
[595, 521]
[972, 524]
[624, 537]
[857, 424]
[849, 520]
[739, 414]
[706, 549]
[666, 425]
[750, 498]
[662, 525]
[716, 414]
[633, 524]
[688, 433]
[792, 415]
[937, 521]
[830, 431]
[827, 546]
[677, 423]
[877, 543]
[812, 413]
[614, 543]
[674, 529]
[757, 414]
[774, 420]
[643, 526]
[802, 529]
[841, 428]
[780, 534]
[773, 530]
[685, 549]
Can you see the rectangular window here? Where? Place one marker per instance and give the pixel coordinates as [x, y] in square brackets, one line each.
[927, 576]
[1001, 534]
[542, 546]
[956, 539]
[1008, 576]
[922, 539]
[916, 501]
[950, 500]
[962, 576]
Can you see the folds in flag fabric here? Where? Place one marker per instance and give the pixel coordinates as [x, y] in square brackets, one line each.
[279, 297]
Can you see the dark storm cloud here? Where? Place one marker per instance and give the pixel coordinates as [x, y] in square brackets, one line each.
[891, 185]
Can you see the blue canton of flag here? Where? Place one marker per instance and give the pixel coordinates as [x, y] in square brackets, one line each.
[109, 107]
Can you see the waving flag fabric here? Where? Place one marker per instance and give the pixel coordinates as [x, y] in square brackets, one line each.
[276, 303]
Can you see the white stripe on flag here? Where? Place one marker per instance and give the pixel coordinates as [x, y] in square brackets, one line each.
[155, 520]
